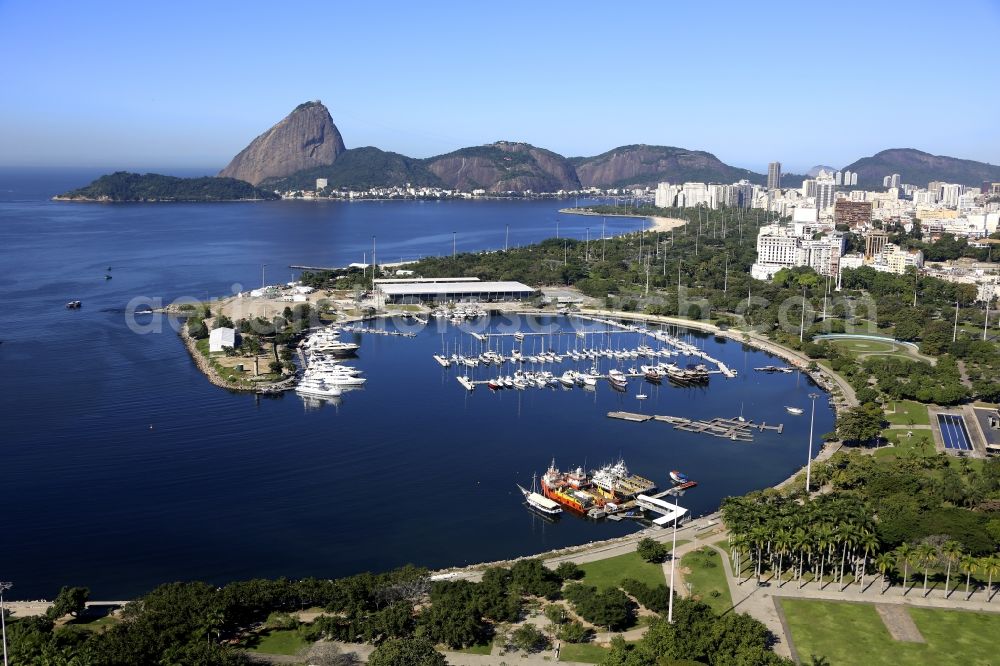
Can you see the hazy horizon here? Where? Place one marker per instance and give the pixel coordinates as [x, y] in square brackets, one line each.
[118, 86]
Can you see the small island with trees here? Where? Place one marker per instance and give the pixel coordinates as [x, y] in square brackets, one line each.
[153, 187]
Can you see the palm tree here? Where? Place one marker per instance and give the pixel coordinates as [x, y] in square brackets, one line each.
[738, 543]
[848, 535]
[802, 545]
[905, 554]
[782, 541]
[952, 551]
[968, 564]
[990, 565]
[824, 542]
[884, 562]
[927, 555]
[759, 537]
[869, 544]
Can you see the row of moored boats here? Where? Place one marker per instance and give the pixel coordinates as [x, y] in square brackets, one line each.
[325, 374]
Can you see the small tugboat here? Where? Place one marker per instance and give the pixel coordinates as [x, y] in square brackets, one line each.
[794, 410]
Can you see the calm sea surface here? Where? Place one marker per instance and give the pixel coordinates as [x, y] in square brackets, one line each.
[121, 467]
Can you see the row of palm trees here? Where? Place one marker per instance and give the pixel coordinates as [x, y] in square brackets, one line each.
[833, 539]
[927, 555]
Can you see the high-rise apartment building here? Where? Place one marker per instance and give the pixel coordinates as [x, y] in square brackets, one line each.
[826, 189]
[774, 176]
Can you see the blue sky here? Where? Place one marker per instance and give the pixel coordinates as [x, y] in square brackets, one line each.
[141, 84]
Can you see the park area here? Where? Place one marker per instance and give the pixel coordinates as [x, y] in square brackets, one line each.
[843, 633]
[863, 347]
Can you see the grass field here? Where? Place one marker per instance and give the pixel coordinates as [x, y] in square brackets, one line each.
[862, 347]
[850, 633]
[585, 652]
[907, 412]
[281, 641]
[921, 444]
[707, 578]
[612, 571]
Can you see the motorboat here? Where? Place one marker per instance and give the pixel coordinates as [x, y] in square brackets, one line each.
[318, 387]
[797, 411]
[678, 477]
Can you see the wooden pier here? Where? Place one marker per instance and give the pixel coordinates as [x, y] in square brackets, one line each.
[734, 429]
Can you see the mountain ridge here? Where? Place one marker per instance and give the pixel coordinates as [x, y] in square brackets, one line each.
[919, 168]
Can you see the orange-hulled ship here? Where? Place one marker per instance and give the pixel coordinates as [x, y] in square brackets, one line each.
[570, 489]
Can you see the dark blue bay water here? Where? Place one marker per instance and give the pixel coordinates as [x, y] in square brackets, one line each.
[122, 467]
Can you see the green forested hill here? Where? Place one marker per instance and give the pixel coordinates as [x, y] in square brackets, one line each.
[360, 169]
[125, 186]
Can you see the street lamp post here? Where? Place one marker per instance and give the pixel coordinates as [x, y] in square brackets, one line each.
[809, 461]
[3, 622]
[454, 244]
[673, 559]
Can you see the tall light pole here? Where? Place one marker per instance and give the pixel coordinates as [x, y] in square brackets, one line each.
[506, 238]
[809, 460]
[373, 266]
[954, 332]
[802, 323]
[588, 243]
[262, 275]
[986, 317]
[673, 559]
[557, 228]
[3, 622]
[454, 243]
[604, 239]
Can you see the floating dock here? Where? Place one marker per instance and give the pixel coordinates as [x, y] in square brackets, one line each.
[466, 383]
[630, 416]
[735, 429]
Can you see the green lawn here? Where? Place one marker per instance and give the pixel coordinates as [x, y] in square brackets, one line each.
[280, 641]
[907, 412]
[921, 444]
[707, 578]
[612, 571]
[853, 633]
[585, 652]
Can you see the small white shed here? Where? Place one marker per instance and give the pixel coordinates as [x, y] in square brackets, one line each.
[221, 337]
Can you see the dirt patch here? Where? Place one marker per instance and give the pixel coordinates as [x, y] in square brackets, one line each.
[899, 623]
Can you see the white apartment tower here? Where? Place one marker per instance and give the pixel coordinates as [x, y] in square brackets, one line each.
[826, 189]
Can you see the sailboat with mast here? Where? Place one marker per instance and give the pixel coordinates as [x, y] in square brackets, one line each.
[537, 501]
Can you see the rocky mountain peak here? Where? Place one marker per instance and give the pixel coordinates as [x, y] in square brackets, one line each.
[306, 138]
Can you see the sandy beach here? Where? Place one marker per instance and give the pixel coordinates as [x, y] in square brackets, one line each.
[656, 223]
[666, 223]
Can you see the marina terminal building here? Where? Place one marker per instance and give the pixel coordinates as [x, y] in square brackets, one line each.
[460, 289]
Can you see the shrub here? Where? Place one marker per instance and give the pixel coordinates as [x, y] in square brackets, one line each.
[651, 550]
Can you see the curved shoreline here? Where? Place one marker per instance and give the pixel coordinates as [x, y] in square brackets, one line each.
[823, 377]
[658, 223]
[826, 451]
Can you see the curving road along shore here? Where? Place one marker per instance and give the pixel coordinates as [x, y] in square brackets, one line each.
[658, 223]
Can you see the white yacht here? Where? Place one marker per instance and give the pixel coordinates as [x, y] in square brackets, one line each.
[317, 387]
